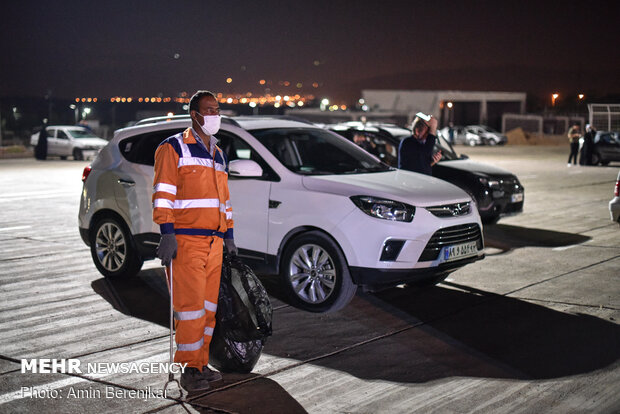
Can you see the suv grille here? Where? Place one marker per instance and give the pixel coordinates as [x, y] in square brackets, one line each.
[509, 185]
[450, 236]
[450, 210]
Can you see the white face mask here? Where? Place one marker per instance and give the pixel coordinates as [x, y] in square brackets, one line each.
[211, 124]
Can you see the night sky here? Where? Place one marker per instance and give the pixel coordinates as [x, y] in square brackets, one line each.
[145, 48]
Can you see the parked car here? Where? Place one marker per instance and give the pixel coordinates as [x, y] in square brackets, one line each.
[75, 141]
[307, 204]
[484, 134]
[614, 204]
[497, 192]
[606, 147]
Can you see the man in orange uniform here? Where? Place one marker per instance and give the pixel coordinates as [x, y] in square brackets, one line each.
[191, 203]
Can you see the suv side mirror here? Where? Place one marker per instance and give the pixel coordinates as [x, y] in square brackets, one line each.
[245, 168]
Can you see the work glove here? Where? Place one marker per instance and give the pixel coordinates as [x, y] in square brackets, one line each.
[167, 249]
[231, 249]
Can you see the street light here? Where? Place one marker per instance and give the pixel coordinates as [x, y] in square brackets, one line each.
[324, 103]
[554, 97]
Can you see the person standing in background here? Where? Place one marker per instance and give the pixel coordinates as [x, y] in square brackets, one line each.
[573, 137]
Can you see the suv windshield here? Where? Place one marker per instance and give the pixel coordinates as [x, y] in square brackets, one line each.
[314, 151]
[82, 133]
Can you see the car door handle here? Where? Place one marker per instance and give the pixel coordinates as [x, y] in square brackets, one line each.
[126, 183]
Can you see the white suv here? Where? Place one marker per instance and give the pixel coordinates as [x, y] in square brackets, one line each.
[75, 141]
[308, 205]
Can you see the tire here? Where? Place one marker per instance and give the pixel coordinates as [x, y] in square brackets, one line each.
[326, 284]
[492, 142]
[78, 155]
[63, 157]
[595, 159]
[471, 142]
[113, 249]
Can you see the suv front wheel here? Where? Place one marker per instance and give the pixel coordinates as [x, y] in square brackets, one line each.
[315, 273]
[113, 250]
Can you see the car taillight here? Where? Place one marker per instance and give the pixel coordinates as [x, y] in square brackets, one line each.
[617, 189]
[85, 173]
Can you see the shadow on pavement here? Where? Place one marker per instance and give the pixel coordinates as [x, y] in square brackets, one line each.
[475, 333]
[506, 237]
[260, 395]
[425, 334]
[144, 296]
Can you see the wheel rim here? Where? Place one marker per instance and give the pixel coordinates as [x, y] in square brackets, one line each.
[111, 247]
[312, 274]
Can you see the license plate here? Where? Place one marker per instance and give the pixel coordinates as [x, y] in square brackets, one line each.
[516, 198]
[458, 251]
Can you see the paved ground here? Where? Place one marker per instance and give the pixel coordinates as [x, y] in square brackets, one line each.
[532, 328]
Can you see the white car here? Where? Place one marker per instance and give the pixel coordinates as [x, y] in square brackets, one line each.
[307, 204]
[484, 134]
[65, 141]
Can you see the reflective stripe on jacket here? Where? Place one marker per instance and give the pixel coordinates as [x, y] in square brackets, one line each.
[190, 188]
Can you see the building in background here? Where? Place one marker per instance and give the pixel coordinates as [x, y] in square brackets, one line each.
[459, 107]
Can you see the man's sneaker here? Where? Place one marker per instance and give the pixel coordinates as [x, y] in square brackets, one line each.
[210, 375]
[192, 380]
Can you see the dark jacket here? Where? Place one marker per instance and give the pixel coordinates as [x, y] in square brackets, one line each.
[416, 156]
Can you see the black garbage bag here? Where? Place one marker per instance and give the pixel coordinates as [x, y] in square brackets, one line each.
[243, 319]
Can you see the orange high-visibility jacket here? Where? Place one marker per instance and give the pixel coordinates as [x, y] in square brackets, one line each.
[191, 187]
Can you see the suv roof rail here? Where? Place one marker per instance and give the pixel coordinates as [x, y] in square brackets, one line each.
[283, 117]
[156, 119]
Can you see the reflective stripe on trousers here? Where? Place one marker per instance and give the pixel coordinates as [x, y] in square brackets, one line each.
[197, 269]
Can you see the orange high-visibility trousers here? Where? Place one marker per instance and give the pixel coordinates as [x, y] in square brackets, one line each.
[196, 277]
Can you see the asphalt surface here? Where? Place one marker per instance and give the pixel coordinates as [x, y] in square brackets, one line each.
[531, 328]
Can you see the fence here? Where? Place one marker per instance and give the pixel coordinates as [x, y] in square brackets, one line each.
[538, 124]
[605, 117]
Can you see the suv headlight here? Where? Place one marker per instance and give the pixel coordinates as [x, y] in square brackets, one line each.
[384, 209]
[489, 183]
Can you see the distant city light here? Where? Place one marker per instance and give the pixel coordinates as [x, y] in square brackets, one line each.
[262, 81]
[286, 98]
[315, 85]
[554, 97]
[450, 105]
[361, 101]
[299, 85]
[343, 107]
[229, 100]
[253, 104]
[364, 107]
[300, 103]
[278, 98]
[170, 114]
[228, 80]
[276, 105]
[581, 96]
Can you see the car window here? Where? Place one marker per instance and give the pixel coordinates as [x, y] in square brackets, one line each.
[236, 148]
[141, 148]
[51, 132]
[315, 151]
[82, 133]
[61, 134]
